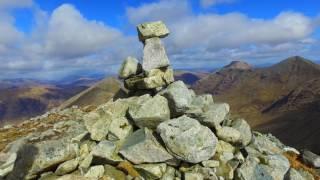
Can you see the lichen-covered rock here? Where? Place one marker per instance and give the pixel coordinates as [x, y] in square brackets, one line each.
[151, 112]
[119, 129]
[7, 165]
[251, 170]
[244, 128]
[130, 67]
[142, 147]
[193, 176]
[276, 165]
[229, 134]
[170, 174]
[214, 115]
[154, 55]
[179, 97]
[112, 173]
[106, 151]
[294, 175]
[95, 172]
[187, 139]
[97, 123]
[67, 167]
[152, 29]
[151, 171]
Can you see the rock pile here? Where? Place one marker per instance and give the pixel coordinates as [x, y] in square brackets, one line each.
[162, 130]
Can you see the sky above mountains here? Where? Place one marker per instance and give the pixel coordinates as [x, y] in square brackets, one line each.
[59, 38]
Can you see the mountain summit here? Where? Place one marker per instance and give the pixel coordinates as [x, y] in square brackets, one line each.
[240, 65]
[160, 130]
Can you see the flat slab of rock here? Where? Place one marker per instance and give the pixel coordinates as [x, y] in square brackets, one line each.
[152, 29]
[229, 134]
[150, 113]
[187, 140]
[130, 67]
[154, 55]
[67, 167]
[151, 171]
[143, 147]
[106, 151]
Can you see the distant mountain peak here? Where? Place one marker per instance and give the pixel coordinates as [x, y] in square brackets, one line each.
[297, 62]
[241, 65]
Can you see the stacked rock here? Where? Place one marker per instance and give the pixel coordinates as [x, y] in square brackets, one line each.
[155, 71]
[172, 134]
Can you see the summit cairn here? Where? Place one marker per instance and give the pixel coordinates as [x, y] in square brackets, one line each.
[161, 131]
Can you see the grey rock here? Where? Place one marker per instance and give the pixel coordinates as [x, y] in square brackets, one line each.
[169, 174]
[179, 97]
[113, 173]
[67, 167]
[154, 55]
[8, 164]
[97, 123]
[95, 172]
[143, 147]
[244, 128]
[229, 134]
[187, 139]
[193, 176]
[151, 171]
[106, 151]
[210, 163]
[129, 67]
[119, 129]
[151, 112]
[85, 163]
[224, 147]
[276, 165]
[306, 175]
[251, 170]
[214, 115]
[263, 144]
[152, 29]
[311, 158]
[34, 159]
[294, 175]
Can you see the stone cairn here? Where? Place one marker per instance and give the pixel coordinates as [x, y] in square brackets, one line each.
[163, 130]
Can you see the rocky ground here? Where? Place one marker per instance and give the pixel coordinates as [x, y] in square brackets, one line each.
[162, 130]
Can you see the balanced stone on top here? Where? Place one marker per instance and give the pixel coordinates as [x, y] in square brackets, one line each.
[129, 67]
[154, 55]
[152, 29]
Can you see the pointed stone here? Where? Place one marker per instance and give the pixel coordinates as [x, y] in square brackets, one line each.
[152, 29]
[154, 55]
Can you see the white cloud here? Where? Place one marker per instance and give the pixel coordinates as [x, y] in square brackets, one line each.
[71, 35]
[201, 39]
[208, 3]
[15, 3]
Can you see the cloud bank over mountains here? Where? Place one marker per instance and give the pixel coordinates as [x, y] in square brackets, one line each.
[64, 42]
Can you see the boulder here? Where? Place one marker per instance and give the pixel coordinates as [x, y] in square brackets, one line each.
[214, 115]
[106, 152]
[95, 172]
[294, 175]
[276, 165]
[245, 131]
[113, 173]
[154, 55]
[130, 67]
[193, 176]
[187, 139]
[7, 165]
[251, 169]
[169, 174]
[151, 112]
[151, 171]
[311, 158]
[97, 123]
[179, 97]
[119, 129]
[152, 29]
[142, 147]
[67, 167]
[229, 134]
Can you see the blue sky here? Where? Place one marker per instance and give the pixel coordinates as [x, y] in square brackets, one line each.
[58, 38]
